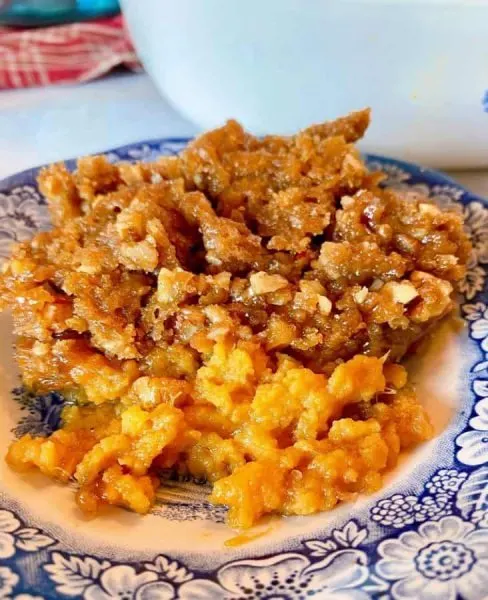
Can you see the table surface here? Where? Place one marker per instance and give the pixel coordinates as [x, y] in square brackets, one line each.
[42, 125]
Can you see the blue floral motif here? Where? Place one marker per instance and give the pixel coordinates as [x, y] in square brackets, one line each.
[446, 482]
[472, 498]
[440, 559]
[480, 517]
[430, 545]
[148, 151]
[432, 507]
[396, 511]
[8, 580]
[341, 573]
[291, 576]
[400, 511]
[100, 580]
[41, 414]
[394, 174]
[14, 537]
[22, 213]
[473, 443]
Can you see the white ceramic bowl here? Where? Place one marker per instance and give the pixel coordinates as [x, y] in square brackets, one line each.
[279, 65]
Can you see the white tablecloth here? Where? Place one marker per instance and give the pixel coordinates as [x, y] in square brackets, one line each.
[47, 124]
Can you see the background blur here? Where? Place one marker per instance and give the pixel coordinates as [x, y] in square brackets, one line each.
[43, 12]
[72, 80]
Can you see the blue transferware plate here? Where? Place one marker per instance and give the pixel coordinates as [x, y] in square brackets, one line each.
[424, 536]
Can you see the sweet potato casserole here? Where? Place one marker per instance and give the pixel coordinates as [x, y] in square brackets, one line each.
[236, 314]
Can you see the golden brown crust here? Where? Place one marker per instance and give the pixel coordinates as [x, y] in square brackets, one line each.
[211, 293]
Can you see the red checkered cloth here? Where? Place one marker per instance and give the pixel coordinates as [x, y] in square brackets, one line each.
[64, 54]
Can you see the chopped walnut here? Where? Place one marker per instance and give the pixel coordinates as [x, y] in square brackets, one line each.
[173, 286]
[403, 292]
[361, 295]
[325, 305]
[429, 209]
[263, 283]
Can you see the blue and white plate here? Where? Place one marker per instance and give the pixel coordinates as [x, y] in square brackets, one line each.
[424, 536]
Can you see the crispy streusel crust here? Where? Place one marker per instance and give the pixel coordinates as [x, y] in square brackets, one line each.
[234, 312]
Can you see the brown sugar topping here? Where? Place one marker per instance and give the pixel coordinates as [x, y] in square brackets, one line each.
[216, 312]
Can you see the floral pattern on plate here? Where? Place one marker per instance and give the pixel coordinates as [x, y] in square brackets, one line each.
[22, 213]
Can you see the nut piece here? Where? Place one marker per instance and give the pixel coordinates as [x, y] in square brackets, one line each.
[360, 296]
[421, 277]
[403, 292]
[173, 286]
[325, 305]
[428, 209]
[262, 283]
[310, 286]
[353, 163]
[40, 349]
[376, 285]
[347, 202]
[222, 280]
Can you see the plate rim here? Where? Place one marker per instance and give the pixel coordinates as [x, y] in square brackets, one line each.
[429, 175]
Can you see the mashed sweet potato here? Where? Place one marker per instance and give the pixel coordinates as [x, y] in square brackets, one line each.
[235, 313]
